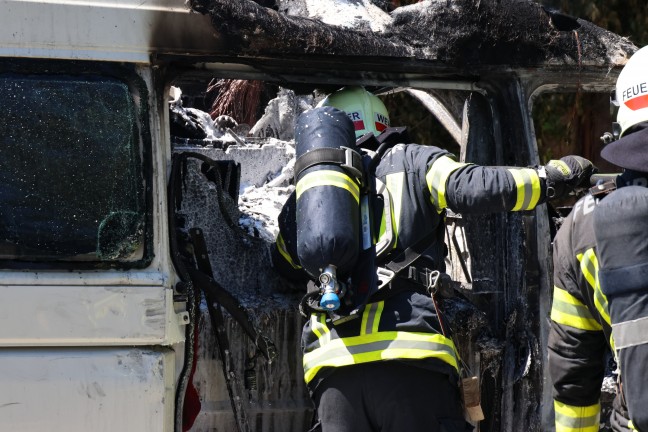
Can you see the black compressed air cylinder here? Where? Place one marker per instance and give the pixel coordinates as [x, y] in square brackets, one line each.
[328, 209]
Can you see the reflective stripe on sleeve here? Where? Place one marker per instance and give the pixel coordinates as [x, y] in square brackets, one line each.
[630, 333]
[568, 310]
[577, 419]
[527, 184]
[437, 177]
[589, 267]
[328, 178]
[379, 346]
[281, 247]
[383, 234]
[394, 183]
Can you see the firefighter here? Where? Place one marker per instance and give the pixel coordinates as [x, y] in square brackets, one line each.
[586, 302]
[395, 366]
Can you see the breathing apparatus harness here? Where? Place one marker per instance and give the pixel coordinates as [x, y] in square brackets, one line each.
[329, 294]
[344, 300]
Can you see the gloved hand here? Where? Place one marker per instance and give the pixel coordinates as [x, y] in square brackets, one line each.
[567, 174]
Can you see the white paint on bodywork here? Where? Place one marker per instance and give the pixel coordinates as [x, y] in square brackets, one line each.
[83, 390]
[119, 30]
[85, 315]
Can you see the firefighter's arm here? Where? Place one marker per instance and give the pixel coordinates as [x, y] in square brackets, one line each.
[468, 188]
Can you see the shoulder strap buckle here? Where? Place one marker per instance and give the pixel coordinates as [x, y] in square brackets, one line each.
[353, 163]
[384, 276]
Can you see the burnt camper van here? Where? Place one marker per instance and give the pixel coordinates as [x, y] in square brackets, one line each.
[137, 292]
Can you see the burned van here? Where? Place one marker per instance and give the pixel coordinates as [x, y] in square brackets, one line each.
[148, 148]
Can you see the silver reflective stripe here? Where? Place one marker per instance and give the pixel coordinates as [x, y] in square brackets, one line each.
[578, 423]
[380, 346]
[371, 318]
[630, 333]
[527, 184]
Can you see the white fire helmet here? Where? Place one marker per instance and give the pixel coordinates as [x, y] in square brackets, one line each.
[631, 93]
[365, 109]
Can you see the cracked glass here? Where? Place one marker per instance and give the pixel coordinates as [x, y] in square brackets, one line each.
[71, 181]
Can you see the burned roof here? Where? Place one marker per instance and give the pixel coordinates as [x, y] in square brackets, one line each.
[460, 35]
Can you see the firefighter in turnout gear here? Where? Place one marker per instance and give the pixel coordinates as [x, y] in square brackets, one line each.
[600, 293]
[393, 366]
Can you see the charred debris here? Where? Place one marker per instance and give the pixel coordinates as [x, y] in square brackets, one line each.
[505, 51]
[457, 34]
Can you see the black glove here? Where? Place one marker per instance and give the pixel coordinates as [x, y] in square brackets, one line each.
[567, 174]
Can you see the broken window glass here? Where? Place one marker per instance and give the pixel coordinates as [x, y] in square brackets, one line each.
[71, 182]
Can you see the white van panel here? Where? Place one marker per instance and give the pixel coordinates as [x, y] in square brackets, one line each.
[84, 315]
[85, 390]
[120, 30]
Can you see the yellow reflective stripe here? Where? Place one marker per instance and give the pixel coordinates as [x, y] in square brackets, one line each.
[281, 247]
[371, 317]
[527, 184]
[577, 419]
[568, 310]
[383, 227]
[631, 425]
[318, 326]
[379, 346]
[328, 178]
[394, 183]
[589, 267]
[383, 224]
[436, 179]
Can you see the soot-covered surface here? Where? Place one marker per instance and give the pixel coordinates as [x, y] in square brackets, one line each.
[459, 34]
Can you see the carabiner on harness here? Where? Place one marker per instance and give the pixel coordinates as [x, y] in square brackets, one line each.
[433, 277]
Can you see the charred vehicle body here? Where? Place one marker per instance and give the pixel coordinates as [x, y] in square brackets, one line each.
[136, 293]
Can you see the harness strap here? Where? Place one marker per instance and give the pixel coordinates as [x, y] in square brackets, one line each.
[409, 255]
[231, 304]
[347, 158]
[218, 323]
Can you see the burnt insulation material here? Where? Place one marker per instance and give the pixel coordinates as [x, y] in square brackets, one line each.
[507, 32]
[272, 397]
[458, 33]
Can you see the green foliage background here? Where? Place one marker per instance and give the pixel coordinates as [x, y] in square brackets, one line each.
[572, 123]
[624, 17]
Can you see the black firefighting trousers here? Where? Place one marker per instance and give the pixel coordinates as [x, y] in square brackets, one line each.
[388, 396]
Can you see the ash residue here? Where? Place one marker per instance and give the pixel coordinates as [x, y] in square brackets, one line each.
[239, 219]
[241, 263]
[460, 33]
[508, 32]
